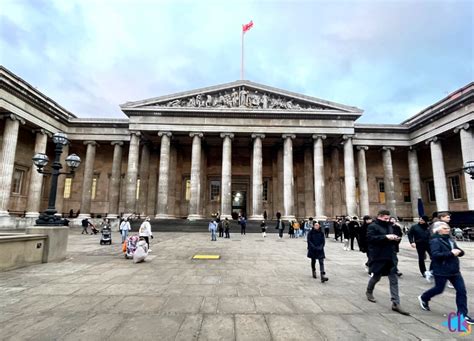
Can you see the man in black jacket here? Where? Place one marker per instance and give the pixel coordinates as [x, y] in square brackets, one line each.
[383, 259]
[419, 237]
[354, 231]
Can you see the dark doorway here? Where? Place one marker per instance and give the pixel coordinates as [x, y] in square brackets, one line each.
[239, 202]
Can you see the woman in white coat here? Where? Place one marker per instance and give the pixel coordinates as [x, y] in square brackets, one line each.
[145, 232]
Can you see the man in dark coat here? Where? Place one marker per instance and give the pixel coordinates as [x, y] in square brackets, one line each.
[419, 237]
[366, 221]
[381, 246]
[445, 259]
[354, 231]
[316, 241]
[280, 227]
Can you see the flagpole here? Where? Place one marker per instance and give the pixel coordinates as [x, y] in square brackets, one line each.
[242, 58]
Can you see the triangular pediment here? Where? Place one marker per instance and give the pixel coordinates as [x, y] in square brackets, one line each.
[239, 95]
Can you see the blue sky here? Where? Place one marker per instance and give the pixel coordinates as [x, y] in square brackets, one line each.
[389, 58]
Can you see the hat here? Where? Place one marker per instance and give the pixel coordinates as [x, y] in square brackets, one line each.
[425, 218]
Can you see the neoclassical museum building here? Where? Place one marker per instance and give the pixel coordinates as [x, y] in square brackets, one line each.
[237, 147]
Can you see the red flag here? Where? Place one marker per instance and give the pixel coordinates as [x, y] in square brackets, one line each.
[247, 27]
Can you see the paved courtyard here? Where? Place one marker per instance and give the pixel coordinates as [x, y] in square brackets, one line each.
[258, 290]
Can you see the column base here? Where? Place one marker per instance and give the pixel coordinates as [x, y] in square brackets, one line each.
[32, 214]
[112, 216]
[321, 217]
[4, 214]
[256, 217]
[194, 217]
[288, 217]
[83, 215]
[228, 216]
[8, 222]
[165, 216]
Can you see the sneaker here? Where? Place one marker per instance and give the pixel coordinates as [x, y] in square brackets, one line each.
[428, 276]
[468, 320]
[450, 285]
[370, 297]
[399, 274]
[424, 305]
[396, 307]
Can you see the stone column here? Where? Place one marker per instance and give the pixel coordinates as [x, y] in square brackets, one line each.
[319, 193]
[308, 181]
[288, 180]
[439, 174]
[7, 157]
[87, 180]
[36, 179]
[144, 174]
[389, 183]
[467, 151]
[132, 174]
[415, 183]
[61, 182]
[363, 185]
[195, 200]
[335, 183]
[349, 176]
[226, 182]
[162, 208]
[114, 184]
[257, 179]
[153, 182]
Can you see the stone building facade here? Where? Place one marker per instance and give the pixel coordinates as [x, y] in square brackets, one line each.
[236, 147]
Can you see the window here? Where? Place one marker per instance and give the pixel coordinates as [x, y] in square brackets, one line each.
[455, 187]
[18, 180]
[381, 191]
[187, 193]
[431, 191]
[265, 190]
[406, 191]
[137, 194]
[215, 190]
[94, 188]
[67, 188]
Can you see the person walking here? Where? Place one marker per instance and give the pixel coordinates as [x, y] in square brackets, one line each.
[345, 234]
[445, 259]
[397, 230]
[280, 227]
[316, 241]
[366, 221]
[220, 228]
[85, 224]
[419, 238]
[226, 224]
[243, 224]
[213, 229]
[326, 226]
[263, 226]
[354, 231]
[381, 241]
[145, 232]
[308, 225]
[124, 228]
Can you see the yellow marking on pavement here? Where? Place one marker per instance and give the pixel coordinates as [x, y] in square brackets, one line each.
[206, 257]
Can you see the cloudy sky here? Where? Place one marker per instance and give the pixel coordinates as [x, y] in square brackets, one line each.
[389, 58]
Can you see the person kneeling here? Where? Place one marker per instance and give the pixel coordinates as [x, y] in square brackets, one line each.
[141, 252]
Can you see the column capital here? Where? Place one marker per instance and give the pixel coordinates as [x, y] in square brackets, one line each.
[432, 139]
[230, 135]
[42, 132]
[192, 134]
[164, 133]
[464, 126]
[319, 136]
[93, 143]
[384, 148]
[362, 147]
[258, 135]
[291, 136]
[347, 137]
[113, 143]
[136, 133]
[14, 117]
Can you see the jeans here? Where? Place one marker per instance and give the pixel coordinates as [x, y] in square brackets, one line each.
[352, 241]
[280, 233]
[326, 232]
[393, 280]
[458, 283]
[213, 235]
[242, 229]
[321, 264]
[124, 235]
[422, 249]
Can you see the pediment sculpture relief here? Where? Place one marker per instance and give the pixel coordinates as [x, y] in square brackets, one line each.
[240, 98]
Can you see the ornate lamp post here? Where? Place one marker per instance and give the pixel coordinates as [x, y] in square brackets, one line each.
[469, 168]
[48, 217]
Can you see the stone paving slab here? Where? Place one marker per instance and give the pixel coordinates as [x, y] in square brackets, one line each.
[258, 290]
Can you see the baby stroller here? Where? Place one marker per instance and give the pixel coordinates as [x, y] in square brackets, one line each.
[106, 237]
[129, 246]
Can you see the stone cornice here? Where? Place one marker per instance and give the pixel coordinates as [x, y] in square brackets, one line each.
[465, 126]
